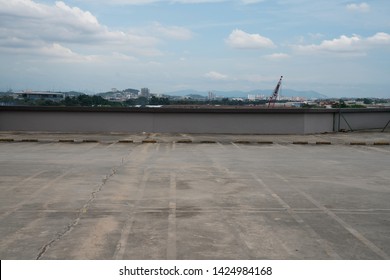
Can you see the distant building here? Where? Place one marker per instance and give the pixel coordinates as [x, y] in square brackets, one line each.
[145, 92]
[256, 97]
[212, 95]
[41, 95]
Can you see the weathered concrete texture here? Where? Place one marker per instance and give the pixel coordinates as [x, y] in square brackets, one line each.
[194, 201]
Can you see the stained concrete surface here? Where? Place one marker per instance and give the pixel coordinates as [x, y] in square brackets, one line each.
[169, 200]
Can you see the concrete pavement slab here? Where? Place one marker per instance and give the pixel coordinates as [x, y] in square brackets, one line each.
[169, 200]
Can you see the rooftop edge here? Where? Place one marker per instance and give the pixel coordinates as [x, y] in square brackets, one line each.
[195, 109]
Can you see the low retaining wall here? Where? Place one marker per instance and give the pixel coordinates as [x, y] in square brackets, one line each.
[177, 120]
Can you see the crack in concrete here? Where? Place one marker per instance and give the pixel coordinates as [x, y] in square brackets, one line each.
[81, 211]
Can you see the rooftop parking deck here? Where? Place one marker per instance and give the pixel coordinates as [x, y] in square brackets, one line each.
[194, 196]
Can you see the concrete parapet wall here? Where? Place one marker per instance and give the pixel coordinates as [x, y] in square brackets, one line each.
[362, 120]
[172, 120]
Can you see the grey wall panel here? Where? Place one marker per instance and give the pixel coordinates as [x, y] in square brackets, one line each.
[363, 121]
[191, 121]
[76, 122]
[317, 123]
[229, 123]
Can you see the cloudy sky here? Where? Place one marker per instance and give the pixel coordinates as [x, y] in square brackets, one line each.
[336, 47]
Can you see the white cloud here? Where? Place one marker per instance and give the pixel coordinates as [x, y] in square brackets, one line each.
[55, 52]
[134, 2]
[213, 75]
[61, 53]
[379, 38]
[29, 27]
[195, 1]
[277, 56]
[170, 32]
[362, 7]
[76, 14]
[354, 45]
[248, 2]
[123, 57]
[241, 40]
[145, 2]
[342, 44]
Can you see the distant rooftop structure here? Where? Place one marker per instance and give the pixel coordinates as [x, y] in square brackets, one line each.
[44, 95]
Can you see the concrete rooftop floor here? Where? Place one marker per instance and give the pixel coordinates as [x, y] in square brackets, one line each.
[219, 197]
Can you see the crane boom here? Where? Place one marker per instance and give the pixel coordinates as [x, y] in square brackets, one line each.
[274, 96]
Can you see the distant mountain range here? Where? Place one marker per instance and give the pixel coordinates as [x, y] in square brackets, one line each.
[244, 94]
